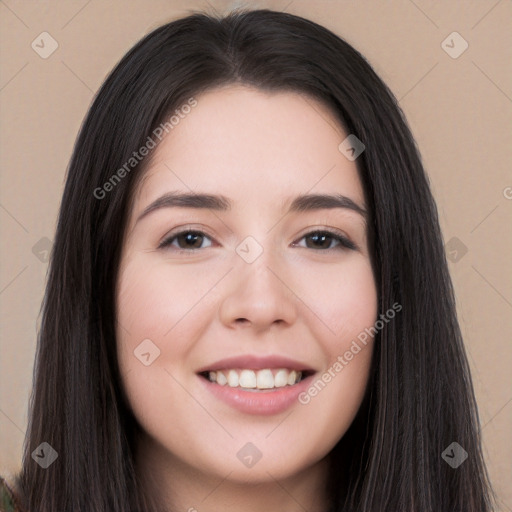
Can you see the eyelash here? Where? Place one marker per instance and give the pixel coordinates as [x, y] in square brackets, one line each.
[344, 242]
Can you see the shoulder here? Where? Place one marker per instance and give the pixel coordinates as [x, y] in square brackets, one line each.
[8, 496]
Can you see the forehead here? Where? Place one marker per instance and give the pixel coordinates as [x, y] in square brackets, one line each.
[252, 145]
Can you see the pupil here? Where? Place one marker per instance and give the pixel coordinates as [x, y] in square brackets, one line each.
[192, 237]
[316, 238]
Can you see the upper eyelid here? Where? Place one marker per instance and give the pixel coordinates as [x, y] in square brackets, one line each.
[186, 229]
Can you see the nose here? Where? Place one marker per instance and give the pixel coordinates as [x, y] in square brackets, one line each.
[259, 295]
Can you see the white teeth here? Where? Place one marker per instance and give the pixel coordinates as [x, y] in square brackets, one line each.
[281, 379]
[265, 379]
[221, 379]
[247, 379]
[250, 379]
[233, 379]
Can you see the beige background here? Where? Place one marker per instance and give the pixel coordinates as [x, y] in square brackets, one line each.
[458, 108]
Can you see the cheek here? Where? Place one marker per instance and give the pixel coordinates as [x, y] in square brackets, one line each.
[159, 310]
[345, 302]
[342, 297]
[154, 299]
[152, 335]
[148, 313]
[341, 305]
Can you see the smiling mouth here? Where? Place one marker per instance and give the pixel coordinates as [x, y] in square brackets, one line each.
[266, 379]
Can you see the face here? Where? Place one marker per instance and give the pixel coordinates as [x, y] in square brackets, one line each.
[247, 286]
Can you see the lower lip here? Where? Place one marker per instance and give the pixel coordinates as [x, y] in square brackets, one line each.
[264, 403]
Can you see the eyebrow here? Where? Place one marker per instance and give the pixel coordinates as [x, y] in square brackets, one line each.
[301, 203]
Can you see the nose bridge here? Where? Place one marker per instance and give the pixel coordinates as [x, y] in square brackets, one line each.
[259, 275]
[258, 293]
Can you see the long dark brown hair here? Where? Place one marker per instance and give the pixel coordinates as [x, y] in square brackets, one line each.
[420, 397]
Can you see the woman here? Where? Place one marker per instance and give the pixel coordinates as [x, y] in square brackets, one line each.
[202, 347]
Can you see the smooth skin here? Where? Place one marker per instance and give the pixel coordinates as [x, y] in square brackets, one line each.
[303, 297]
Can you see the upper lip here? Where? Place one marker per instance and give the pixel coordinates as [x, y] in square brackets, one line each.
[250, 362]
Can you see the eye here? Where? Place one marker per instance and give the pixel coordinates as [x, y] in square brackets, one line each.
[190, 240]
[322, 239]
[186, 240]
